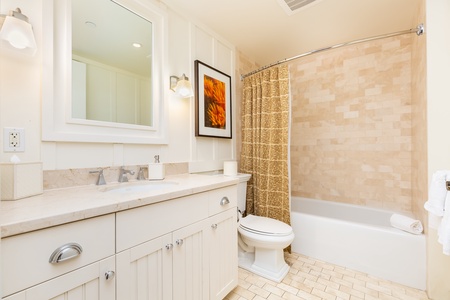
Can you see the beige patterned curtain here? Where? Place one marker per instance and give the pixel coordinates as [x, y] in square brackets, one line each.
[265, 139]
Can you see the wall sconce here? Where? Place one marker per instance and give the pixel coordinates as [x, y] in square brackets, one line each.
[15, 29]
[181, 86]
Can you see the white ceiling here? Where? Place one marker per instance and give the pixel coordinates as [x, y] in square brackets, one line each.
[262, 29]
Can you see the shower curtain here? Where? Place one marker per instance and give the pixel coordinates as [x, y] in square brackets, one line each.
[265, 143]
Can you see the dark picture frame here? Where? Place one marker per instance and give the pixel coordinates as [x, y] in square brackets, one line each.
[213, 114]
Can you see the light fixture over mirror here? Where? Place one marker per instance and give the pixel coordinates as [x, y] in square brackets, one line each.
[17, 31]
[181, 86]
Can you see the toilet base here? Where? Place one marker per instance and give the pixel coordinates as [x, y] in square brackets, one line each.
[264, 263]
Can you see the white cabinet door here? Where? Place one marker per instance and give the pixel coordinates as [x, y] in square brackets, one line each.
[223, 253]
[144, 272]
[87, 283]
[191, 262]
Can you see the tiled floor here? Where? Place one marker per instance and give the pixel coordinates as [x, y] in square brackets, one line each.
[312, 279]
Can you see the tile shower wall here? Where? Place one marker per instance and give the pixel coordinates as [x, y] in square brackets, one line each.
[351, 124]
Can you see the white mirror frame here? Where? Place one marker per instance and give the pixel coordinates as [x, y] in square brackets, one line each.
[57, 121]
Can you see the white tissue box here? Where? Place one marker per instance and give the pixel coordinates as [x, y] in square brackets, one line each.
[156, 171]
[20, 180]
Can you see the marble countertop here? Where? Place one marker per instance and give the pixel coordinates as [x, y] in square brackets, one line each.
[59, 206]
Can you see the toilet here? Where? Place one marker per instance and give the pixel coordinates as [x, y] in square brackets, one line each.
[261, 240]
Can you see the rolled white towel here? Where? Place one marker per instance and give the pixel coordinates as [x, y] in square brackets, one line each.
[406, 224]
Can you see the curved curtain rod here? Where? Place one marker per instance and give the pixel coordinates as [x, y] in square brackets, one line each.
[419, 30]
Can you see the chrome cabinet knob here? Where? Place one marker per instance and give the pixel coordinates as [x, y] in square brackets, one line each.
[179, 242]
[224, 201]
[214, 226]
[169, 246]
[109, 275]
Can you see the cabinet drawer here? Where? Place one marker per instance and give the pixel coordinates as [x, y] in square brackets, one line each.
[25, 257]
[222, 199]
[88, 282]
[138, 225]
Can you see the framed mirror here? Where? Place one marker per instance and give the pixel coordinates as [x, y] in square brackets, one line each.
[103, 74]
[111, 63]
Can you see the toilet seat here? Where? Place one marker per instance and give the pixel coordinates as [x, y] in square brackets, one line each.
[264, 226]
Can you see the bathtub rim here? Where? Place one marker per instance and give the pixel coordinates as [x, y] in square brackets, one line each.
[386, 227]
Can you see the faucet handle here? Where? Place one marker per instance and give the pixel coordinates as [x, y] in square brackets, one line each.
[123, 174]
[125, 171]
[140, 175]
[101, 178]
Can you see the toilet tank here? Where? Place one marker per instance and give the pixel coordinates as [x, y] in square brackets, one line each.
[242, 190]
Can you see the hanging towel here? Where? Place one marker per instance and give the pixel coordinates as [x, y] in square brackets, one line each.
[444, 228]
[437, 193]
[406, 224]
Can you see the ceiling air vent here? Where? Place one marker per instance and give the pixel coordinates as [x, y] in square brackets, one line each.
[293, 6]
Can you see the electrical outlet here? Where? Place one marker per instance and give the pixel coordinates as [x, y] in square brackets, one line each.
[13, 139]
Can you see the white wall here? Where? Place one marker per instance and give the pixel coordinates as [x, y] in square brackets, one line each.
[438, 110]
[20, 103]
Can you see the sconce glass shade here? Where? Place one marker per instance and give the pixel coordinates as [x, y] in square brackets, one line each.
[17, 31]
[181, 86]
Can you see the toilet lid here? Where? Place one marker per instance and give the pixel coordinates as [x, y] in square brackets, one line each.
[265, 225]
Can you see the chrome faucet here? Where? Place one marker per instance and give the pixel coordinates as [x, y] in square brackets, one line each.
[101, 178]
[123, 174]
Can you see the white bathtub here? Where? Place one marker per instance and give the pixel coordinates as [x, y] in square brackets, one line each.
[358, 238]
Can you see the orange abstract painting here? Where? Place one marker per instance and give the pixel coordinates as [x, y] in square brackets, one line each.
[215, 104]
[213, 114]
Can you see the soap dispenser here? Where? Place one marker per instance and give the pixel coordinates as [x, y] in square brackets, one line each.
[156, 170]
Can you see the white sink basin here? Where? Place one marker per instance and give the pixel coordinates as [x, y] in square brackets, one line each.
[140, 187]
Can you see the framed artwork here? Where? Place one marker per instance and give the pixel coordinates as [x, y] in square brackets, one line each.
[212, 102]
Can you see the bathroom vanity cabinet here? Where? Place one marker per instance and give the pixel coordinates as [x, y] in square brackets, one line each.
[183, 248]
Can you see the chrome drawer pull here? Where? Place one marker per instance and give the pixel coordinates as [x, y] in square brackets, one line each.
[224, 201]
[109, 275]
[214, 226]
[169, 246]
[65, 252]
[179, 242]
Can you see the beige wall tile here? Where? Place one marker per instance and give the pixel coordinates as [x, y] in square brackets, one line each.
[351, 126]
